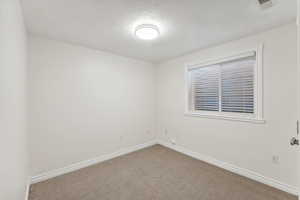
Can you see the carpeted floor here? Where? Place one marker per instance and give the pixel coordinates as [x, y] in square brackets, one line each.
[154, 173]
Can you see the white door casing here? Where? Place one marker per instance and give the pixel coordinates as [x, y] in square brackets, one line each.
[298, 61]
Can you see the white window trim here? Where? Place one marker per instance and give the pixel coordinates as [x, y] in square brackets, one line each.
[257, 117]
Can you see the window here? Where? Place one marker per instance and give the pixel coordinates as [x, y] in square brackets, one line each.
[228, 88]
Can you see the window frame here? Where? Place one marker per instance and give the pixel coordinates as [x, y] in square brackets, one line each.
[257, 116]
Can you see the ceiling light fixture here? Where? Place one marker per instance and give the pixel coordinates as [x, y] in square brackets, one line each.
[147, 31]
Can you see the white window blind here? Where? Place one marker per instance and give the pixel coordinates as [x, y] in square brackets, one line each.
[205, 86]
[227, 86]
[237, 82]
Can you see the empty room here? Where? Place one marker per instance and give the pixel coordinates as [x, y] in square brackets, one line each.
[149, 99]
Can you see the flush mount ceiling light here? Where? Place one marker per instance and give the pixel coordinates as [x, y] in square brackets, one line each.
[147, 31]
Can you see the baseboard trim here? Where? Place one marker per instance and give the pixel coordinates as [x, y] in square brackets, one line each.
[227, 166]
[27, 188]
[235, 169]
[86, 163]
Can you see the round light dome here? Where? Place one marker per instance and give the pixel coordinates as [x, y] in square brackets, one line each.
[147, 31]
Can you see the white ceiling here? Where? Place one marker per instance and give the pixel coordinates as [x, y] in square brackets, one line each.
[185, 25]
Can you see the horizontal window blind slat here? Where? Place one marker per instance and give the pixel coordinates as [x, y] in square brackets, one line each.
[205, 88]
[233, 80]
[237, 85]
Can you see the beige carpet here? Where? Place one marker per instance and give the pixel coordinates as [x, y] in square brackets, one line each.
[154, 173]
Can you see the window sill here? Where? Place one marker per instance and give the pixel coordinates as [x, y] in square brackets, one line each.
[229, 118]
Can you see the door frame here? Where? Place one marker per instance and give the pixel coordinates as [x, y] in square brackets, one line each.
[298, 91]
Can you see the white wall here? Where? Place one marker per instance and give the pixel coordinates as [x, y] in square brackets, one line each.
[85, 103]
[13, 143]
[243, 144]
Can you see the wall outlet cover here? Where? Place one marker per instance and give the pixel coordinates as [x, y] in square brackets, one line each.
[173, 141]
[275, 159]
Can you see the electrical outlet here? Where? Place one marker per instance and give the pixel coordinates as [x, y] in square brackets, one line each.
[173, 141]
[275, 159]
[166, 132]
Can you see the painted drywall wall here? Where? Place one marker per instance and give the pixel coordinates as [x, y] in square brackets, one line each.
[243, 144]
[85, 103]
[13, 143]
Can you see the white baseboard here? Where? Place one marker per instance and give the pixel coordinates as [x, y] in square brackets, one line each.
[235, 169]
[27, 188]
[86, 163]
[230, 167]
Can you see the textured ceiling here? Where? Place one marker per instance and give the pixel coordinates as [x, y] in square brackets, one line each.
[185, 25]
